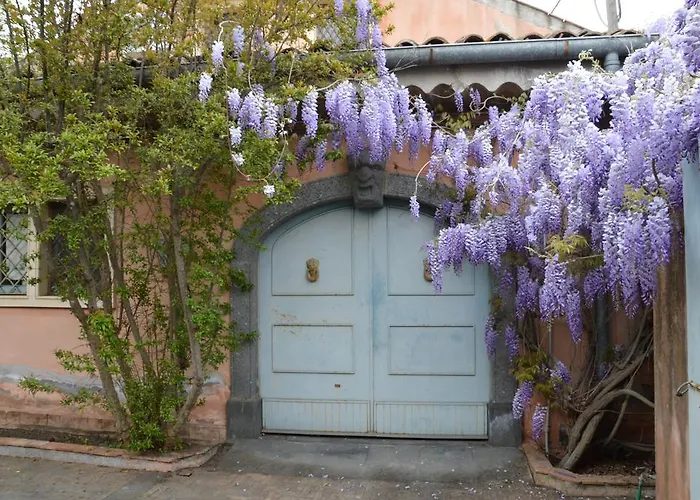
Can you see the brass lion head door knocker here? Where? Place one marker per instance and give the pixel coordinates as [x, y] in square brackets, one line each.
[427, 275]
[312, 270]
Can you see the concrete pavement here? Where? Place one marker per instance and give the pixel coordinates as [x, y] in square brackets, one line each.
[278, 468]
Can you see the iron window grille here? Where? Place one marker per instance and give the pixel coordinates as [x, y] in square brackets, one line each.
[13, 253]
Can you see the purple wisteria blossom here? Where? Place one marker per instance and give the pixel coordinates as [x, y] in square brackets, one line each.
[309, 113]
[475, 97]
[522, 398]
[342, 109]
[526, 298]
[561, 372]
[339, 7]
[573, 314]
[238, 37]
[235, 135]
[364, 19]
[490, 337]
[687, 38]
[593, 286]
[217, 55]
[459, 102]
[271, 119]
[424, 122]
[320, 156]
[258, 37]
[233, 98]
[205, 81]
[250, 115]
[553, 291]
[512, 342]
[539, 417]
[415, 207]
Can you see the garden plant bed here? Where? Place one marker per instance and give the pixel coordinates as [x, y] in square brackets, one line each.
[618, 467]
[609, 484]
[98, 449]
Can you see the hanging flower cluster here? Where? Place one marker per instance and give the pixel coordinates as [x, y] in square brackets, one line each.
[581, 209]
[551, 171]
[567, 199]
[375, 116]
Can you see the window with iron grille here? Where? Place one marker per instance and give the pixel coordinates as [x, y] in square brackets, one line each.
[13, 253]
[35, 284]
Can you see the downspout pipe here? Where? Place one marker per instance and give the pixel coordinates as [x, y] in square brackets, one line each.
[515, 51]
[602, 330]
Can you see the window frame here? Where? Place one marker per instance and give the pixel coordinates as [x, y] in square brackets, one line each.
[33, 298]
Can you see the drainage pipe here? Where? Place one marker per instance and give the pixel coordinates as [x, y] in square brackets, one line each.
[515, 51]
[602, 330]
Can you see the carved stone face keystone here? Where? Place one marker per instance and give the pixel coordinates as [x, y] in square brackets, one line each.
[367, 182]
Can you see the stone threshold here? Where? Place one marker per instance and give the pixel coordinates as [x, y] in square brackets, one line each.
[589, 485]
[195, 456]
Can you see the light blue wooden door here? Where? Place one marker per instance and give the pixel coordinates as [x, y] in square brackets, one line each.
[431, 371]
[314, 335]
[367, 348]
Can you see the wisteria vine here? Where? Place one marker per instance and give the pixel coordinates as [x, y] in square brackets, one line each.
[573, 196]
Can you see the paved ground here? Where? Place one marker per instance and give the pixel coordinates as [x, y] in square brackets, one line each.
[294, 469]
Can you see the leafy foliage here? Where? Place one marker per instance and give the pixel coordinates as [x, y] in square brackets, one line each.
[99, 108]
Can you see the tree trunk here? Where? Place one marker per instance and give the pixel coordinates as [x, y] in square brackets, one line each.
[670, 371]
[195, 346]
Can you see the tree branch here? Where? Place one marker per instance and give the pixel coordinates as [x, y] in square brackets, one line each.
[11, 38]
[620, 416]
[594, 410]
[571, 459]
[112, 245]
[182, 281]
[110, 392]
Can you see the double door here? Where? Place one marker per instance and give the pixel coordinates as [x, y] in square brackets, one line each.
[353, 339]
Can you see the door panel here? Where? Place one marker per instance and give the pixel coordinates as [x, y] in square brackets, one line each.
[431, 420]
[405, 253]
[415, 350]
[317, 417]
[326, 349]
[314, 336]
[328, 239]
[430, 372]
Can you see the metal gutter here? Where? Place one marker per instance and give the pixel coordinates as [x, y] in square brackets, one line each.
[511, 51]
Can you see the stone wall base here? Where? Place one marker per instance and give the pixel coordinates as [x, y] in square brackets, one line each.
[196, 432]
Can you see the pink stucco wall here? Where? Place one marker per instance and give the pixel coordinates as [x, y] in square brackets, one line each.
[419, 20]
[30, 336]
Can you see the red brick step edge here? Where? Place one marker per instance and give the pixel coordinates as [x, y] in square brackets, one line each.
[194, 456]
[589, 485]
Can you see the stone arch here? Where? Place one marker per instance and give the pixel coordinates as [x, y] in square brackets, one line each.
[244, 408]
